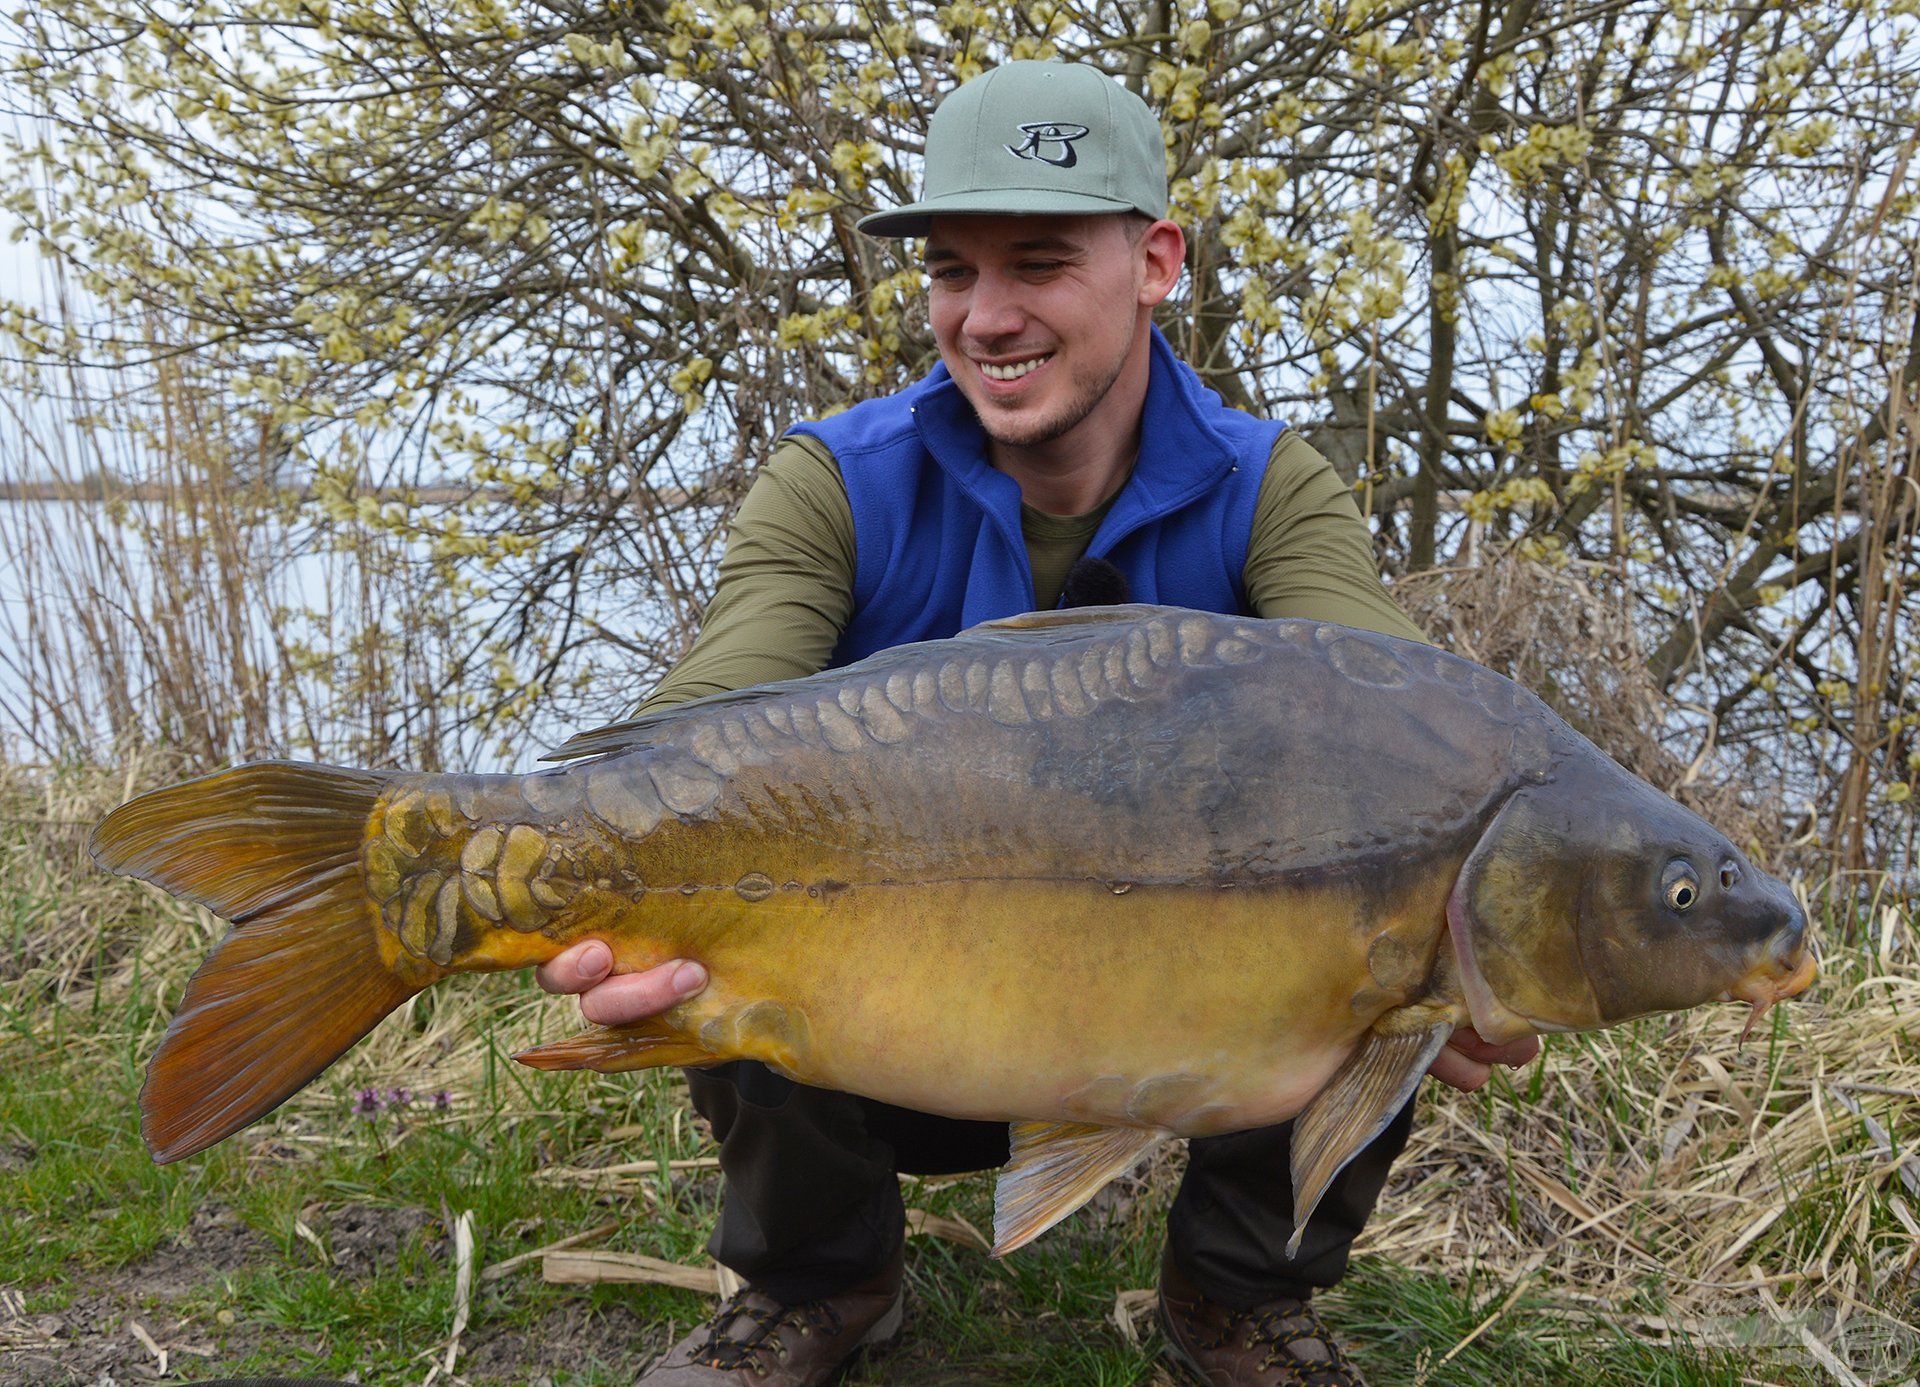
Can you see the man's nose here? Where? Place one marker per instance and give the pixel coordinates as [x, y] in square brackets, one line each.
[993, 309]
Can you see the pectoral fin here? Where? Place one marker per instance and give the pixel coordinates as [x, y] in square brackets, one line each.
[1055, 1168]
[616, 1049]
[1354, 1108]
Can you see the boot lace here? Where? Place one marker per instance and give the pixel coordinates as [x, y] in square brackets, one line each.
[740, 1332]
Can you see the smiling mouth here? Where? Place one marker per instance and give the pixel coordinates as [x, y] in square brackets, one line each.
[1013, 370]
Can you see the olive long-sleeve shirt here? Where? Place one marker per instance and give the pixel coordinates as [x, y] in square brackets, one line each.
[785, 589]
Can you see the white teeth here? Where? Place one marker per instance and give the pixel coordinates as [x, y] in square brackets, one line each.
[1013, 371]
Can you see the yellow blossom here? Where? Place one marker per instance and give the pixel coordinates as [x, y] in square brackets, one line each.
[1503, 427]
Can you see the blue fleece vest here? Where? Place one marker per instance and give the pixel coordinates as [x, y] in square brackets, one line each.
[936, 528]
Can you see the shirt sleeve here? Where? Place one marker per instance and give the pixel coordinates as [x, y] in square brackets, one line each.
[1310, 554]
[785, 587]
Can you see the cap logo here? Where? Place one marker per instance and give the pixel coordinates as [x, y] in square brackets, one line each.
[1049, 133]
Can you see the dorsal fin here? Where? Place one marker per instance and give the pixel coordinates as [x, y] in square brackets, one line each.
[1073, 616]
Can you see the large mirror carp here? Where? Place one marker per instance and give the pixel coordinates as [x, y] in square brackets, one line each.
[1111, 874]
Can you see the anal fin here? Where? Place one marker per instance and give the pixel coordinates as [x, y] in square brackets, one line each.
[651, 1044]
[1354, 1108]
[1055, 1168]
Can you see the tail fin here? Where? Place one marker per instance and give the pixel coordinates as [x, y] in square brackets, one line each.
[275, 848]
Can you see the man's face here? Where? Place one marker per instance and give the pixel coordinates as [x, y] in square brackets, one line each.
[1034, 316]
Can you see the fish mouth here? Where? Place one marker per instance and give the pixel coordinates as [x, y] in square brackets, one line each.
[1774, 982]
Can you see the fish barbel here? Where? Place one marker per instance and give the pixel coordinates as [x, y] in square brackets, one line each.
[1110, 874]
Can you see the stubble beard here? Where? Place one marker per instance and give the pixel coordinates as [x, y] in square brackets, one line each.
[1045, 430]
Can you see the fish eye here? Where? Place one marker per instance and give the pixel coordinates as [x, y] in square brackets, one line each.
[1680, 886]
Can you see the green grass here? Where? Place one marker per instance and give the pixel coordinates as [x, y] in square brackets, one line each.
[85, 1210]
[88, 1210]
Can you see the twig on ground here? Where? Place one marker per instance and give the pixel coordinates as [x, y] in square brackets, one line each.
[598, 1268]
[921, 1224]
[462, 1294]
[501, 1268]
[146, 1341]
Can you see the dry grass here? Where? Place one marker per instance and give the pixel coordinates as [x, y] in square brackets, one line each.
[1685, 1190]
[1758, 1189]
[1575, 644]
[1658, 1175]
[199, 604]
[1770, 1192]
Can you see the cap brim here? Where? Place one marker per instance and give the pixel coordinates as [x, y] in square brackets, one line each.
[916, 219]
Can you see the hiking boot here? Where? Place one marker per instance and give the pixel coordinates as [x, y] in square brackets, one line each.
[754, 1340]
[1278, 1343]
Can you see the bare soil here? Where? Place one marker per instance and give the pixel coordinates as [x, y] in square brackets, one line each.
[89, 1341]
[91, 1338]
[565, 1341]
[365, 1239]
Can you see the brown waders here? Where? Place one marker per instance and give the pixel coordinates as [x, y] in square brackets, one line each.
[811, 1206]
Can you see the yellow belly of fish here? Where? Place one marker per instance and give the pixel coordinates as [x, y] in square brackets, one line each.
[1188, 1008]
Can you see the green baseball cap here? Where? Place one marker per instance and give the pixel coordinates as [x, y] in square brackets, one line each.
[1030, 138]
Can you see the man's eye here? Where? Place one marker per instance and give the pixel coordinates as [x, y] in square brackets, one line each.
[947, 272]
[1041, 266]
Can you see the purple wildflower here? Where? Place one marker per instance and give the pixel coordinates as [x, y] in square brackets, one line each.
[366, 1102]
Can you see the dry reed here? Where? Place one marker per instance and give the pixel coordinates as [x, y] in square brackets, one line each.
[197, 611]
[1758, 1189]
[1573, 641]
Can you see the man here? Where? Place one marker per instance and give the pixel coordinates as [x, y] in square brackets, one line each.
[1059, 424]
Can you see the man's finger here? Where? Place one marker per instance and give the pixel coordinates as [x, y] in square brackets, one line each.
[1513, 1053]
[1452, 1067]
[575, 969]
[631, 997]
[1516, 1053]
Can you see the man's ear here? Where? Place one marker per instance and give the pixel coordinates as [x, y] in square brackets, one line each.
[1165, 247]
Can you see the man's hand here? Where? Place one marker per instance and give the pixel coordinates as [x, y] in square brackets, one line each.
[1468, 1061]
[606, 999]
